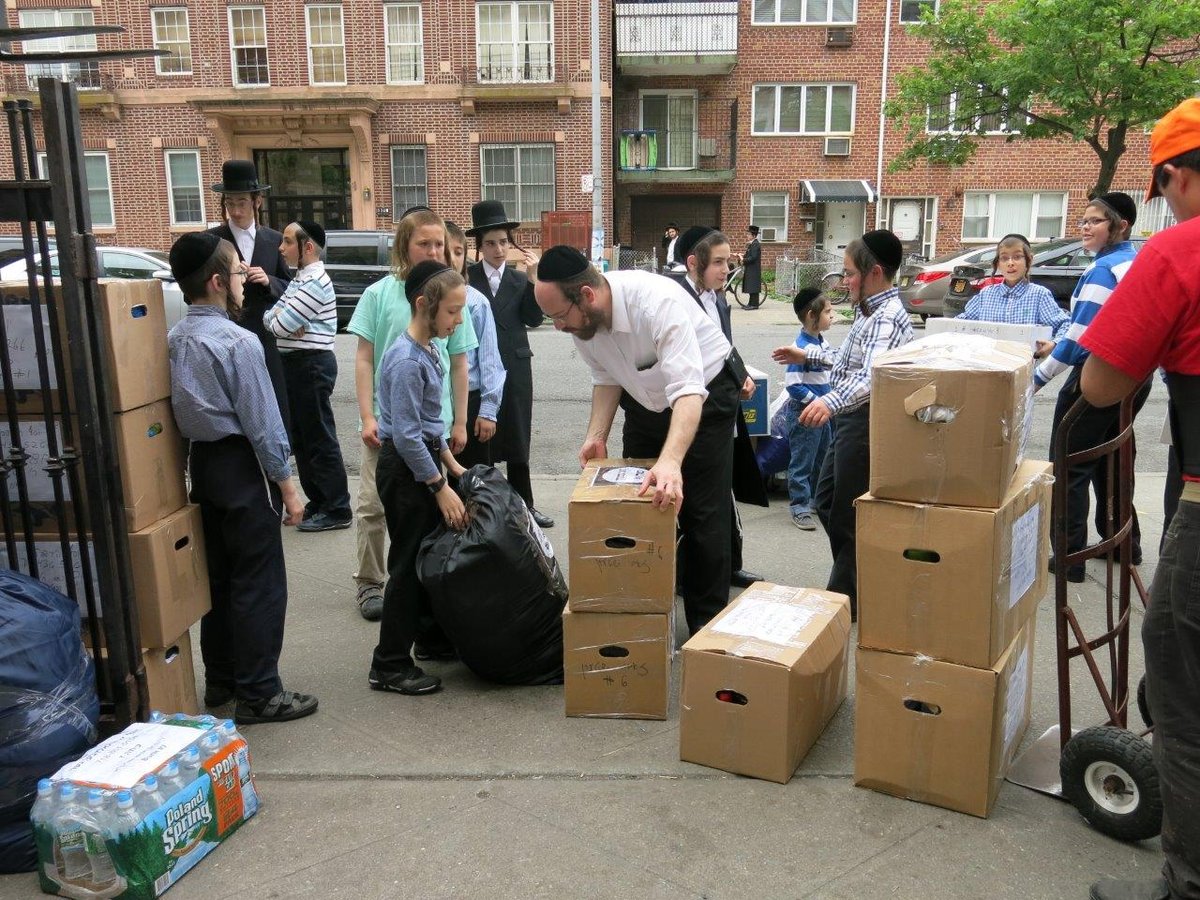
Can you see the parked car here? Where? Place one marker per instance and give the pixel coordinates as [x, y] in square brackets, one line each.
[121, 262]
[923, 285]
[13, 248]
[1057, 265]
[355, 260]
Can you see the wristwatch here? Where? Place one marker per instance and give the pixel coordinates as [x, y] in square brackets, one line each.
[437, 485]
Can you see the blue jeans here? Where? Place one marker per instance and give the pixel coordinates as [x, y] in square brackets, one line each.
[807, 452]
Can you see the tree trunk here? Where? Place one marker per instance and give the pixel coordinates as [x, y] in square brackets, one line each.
[1110, 156]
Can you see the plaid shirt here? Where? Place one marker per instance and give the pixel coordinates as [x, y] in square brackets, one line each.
[883, 326]
[1021, 304]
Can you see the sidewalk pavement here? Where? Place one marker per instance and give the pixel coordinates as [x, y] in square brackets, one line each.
[484, 791]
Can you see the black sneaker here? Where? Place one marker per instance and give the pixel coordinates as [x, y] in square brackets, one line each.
[370, 602]
[412, 681]
[543, 520]
[283, 707]
[323, 522]
[435, 652]
[1130, 890]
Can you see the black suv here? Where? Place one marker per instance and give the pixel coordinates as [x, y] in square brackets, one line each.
[1057, 265]
[355, 260]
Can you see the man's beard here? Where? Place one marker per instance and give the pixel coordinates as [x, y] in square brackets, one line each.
[588, 329]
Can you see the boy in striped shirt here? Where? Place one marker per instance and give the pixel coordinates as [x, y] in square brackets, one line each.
[304, 320]
[805, 382]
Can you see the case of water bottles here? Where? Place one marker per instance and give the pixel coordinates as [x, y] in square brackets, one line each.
[138, 811]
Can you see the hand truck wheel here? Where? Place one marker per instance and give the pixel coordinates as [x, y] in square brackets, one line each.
[1108, 774]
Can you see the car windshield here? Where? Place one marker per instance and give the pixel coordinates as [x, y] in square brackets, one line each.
[163, 258]
[1047, 248]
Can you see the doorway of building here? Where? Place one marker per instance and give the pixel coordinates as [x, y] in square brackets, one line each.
[306, 184]
[651, 214]
[843, 223]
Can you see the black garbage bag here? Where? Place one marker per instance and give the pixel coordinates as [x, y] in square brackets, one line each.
[495, 587]
[48, 703]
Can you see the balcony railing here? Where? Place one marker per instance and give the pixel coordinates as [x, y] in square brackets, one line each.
[703, 150]
[677, 37]
[85, 75]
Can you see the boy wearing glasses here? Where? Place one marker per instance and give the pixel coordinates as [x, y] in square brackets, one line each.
[238, 460]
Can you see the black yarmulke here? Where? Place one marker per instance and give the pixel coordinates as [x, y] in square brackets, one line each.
[1121, 204]
[561, 263]
[420, 207]
[315, 232]
[420, 274]
[886, 247]
[688, 240]
[191, 252]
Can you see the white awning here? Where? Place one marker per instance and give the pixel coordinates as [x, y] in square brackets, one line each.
[814, 191]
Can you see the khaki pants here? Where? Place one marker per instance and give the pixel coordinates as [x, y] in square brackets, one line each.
[372, 527]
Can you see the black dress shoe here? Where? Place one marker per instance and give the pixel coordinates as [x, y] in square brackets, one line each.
[743, 579]
[543, 521]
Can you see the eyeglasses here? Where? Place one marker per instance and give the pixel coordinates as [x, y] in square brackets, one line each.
[562, 316]
[1092, 222]
[240, 270]
[847, 274]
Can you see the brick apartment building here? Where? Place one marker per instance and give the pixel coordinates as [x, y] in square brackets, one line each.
[352, 110]
[715, 111]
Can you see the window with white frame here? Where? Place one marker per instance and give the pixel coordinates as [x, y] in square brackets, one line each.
[326, 44]
[672, 117]
[405, 58]
[803, 12]
[183, 187]
[515, 41]
[912, 10]
[990, 215]
[954, 117]
[84, 74]
[410, 186]
[769, 211]
[521, 176]
[99, 186]
[171, 34]
[803, 109]
[248, 45]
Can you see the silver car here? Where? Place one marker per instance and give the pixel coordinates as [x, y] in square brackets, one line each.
[923, 285]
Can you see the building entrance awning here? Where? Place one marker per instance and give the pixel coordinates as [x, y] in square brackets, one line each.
[814, 191]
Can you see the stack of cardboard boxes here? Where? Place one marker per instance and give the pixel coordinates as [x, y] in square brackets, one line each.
[618, 627]
[952, 552]
[166, 541]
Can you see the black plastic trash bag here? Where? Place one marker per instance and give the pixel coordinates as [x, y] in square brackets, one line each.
[495, 587]
[48, 703]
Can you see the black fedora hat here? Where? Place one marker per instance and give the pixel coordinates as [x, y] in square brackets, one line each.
[238, 176]
[489, 214]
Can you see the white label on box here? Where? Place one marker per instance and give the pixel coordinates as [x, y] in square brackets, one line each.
[34, 442]
[619, 475]
[1014, 707]
[1024, 554]
[22, 348]
[1000, 331]
[126, 758]
[765, 620]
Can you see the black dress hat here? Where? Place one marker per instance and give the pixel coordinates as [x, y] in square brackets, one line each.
[238, 176]
[489, 214]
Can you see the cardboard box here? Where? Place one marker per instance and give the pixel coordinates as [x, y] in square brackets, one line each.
[621, 549]
[756, 410]
[34, 440]
[937, 732]
[152, 463]
[1028, 335]
[955, 583]
[171, 676]
[617, 665]
[170, 576]
[950, 416]
[762, 680]
[134, 339]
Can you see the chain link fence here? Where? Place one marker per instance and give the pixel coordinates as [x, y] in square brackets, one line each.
[629, 258]
[811, 269]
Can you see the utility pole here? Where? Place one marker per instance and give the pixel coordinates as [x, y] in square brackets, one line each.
[598, 179]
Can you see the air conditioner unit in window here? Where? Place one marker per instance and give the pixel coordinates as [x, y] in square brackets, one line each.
[837, 146]
[706, 147]
[766, 234]
[839, 37]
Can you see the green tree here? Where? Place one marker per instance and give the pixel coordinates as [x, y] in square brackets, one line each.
[1084, 70]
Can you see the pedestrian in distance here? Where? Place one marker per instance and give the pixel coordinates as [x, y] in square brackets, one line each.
[514, 309]
[380, 318]
[267, 273]
[415, 494]
[304, 322]
[805, 382]
[752, 268]
[1105, 228]
[1158, 301]
[880, 324]
[1016, 300]
[670, 236]
[224, 405]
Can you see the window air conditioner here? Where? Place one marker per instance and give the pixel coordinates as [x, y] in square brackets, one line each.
[766, 234]
[839, 37]
[837, 146]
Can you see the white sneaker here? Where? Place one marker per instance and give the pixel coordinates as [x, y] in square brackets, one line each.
[805, 521]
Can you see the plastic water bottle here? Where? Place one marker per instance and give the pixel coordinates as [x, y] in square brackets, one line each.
[125, 818]
[43, 806]
[210, 744]
[157, 717]
[229, 733]
[147, 796]
[189, 765]
[170, 779]
[103, 873]
[71, 856]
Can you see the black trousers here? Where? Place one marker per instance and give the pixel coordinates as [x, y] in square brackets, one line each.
[704, 518]
[845, 476]
[242, 636]
[1092, 428]
[1171, 637]
[310, 377]
[475, 453]
[411, 513]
